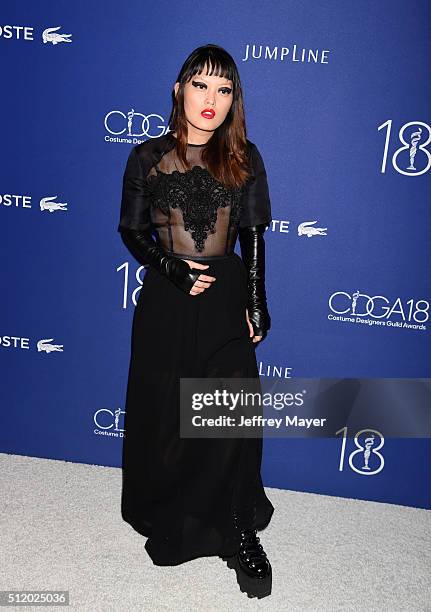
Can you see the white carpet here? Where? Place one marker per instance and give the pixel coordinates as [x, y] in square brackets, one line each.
[62, 529]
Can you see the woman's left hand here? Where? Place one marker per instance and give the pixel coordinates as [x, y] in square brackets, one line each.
[250, 327]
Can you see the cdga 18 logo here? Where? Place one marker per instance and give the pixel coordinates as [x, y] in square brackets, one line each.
[378, 306]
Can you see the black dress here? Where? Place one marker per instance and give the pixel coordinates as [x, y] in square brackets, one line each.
[181, 493]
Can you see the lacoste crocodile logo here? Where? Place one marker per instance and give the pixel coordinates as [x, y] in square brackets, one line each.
[54, 37]
[305, 230]
[48, 348]
[48, 204]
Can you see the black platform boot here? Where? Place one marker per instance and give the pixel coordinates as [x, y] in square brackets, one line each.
[252, 567]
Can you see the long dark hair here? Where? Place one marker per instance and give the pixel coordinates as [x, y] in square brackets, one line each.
[225, 155]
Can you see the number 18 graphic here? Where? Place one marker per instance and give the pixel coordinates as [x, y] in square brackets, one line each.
[419, 137]
[368, 442]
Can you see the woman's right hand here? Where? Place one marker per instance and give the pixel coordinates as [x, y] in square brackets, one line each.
[203, 281]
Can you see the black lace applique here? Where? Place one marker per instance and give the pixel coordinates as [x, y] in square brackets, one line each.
[199, 195]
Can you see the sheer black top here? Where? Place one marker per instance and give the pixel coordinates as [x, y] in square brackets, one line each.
[190, 211]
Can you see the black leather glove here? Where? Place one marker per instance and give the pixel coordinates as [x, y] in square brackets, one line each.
[252, 245]
[146, 251]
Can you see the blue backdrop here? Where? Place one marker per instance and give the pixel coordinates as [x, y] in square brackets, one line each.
[337, 100]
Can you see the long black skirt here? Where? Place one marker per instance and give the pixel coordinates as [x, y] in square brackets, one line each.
[180, 492]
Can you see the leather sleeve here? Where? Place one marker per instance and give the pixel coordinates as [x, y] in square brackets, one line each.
[252, 243]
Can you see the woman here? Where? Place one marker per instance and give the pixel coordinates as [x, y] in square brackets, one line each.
[200, 311]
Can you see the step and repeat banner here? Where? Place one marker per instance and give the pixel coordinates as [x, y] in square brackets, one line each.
[337, 98]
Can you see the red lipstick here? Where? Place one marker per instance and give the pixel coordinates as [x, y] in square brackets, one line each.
[208, 113]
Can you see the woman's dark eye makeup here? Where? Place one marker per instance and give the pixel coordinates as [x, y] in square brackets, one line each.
[199, 83]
